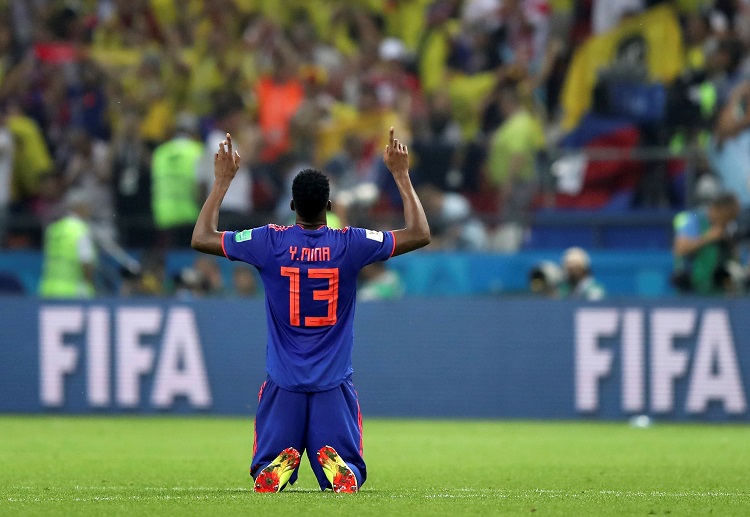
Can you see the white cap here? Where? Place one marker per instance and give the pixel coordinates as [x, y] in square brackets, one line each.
[576, 257]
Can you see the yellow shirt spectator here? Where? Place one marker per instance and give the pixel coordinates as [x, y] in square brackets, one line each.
[31, 159]
[520, 137]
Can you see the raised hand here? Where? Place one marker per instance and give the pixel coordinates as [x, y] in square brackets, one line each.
[226, 161]
[396, 156]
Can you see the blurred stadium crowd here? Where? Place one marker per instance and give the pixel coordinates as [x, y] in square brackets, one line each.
[510, 107]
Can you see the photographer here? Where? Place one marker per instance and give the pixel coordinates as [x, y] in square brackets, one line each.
[578, 281]
[705, 246]
[545, 278]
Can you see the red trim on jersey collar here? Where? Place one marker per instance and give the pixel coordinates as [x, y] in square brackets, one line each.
[318, 228]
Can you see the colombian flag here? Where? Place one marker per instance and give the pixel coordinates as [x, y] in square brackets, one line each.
[653, 38]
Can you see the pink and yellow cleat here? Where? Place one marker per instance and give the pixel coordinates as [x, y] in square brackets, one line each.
[339, 475]
[275, 476]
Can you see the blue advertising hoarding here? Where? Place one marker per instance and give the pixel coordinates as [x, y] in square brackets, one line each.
[457, 357]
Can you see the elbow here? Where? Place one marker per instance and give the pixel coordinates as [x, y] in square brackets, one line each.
[197, 243]
[425, 238]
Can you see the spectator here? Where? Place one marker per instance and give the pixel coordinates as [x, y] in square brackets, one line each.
[237, 206]
[526, 23]
[704, 245]
[209, 272]
[189, 284]
[279, 94]
[350, 167]
[436, 142]
[512, 156]
[69, 253]
[725, 67]
[50, 204]
[131, 177]
[174, 183]
[31, 159]
[244, 284]
[324, 75]
[545, 278]
[303, 127]
[577, 279]
[87, 102]
[730, 154]
[152, 89]
[453, 224]
[697, 41]
[89, 169]
[152, 278]
[379, 283]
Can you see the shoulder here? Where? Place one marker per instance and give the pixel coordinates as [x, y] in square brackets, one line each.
[364, 233]
[254, 233]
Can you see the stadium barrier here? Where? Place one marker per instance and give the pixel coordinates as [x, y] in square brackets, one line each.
[461, 357]
[641, 272]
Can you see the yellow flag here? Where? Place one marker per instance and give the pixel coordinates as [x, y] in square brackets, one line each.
[653, 38]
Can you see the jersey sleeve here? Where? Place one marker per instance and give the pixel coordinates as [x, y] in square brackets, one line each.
[250, 246]
[368, 246]
[686, 225]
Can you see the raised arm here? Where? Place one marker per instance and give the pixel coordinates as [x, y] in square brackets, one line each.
[206, 238]
[417, 232]
[686, 246]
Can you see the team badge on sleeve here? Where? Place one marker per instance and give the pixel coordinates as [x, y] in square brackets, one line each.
[374, 236]
[244, 235]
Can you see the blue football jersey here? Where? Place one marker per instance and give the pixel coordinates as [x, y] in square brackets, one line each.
[310, 279]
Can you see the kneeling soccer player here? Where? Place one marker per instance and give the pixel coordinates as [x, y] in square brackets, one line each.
[309, 271]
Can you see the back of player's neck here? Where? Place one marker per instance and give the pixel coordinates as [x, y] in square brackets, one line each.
[310, 225]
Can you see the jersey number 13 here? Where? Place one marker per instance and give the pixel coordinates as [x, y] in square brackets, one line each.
[331, 295]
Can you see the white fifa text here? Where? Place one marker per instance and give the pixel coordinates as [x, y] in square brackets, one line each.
[114, 368]
[654, 358]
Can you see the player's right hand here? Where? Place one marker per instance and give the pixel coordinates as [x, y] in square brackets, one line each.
[226, 161]
[396, 156]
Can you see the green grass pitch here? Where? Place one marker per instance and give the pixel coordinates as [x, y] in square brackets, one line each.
[198, 466]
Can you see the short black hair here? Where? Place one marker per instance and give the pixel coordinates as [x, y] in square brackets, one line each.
[310, 192]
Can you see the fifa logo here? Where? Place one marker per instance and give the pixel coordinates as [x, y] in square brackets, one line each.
[178, 370]
[658, 356]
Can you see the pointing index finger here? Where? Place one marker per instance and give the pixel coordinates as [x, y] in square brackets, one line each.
[229, 142]
[390, 139]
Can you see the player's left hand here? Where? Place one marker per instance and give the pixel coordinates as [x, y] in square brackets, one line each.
[226, 161]
[396, 157]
